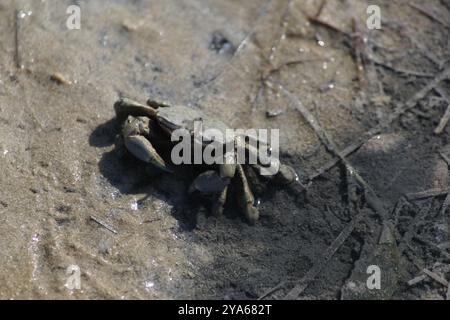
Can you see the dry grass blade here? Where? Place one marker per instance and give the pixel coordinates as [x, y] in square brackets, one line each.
[17, 57]
[443, 122]
[436, 277]
[427, 194]
[446, 117]
[445, 204]
[434, 246]
[429, 14]
[412, 102]
[445, 158]
[401, 71]
[416, 280]
[333, 162]
[103, 224]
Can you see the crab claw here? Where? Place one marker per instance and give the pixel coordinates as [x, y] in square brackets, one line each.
[142, 149]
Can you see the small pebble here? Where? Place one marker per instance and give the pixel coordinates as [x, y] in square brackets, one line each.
[274, 113]
[59, 79]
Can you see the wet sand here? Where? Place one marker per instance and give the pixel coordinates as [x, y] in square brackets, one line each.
[61, 170]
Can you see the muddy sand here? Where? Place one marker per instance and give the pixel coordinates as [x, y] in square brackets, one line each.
[361, 119]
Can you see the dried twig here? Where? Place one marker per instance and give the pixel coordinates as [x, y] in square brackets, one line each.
[436, 277]
[433, 246]
[321, 7]
[425, 51]
[431, 193]
[272, 290]
[429, 14]
[333, 162]
[397, 210]
[416, 280]
[316, 20]
[17, 57]
[287, 64]
[411, 231]
[446, 117]
[445, 204]
[443, 94]
[103, 224]
[412, 102]
[445, 158]
[432, 275]
[443, 122]
[358, 47]
[401, 71]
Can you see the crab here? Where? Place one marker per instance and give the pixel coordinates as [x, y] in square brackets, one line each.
[144, 124]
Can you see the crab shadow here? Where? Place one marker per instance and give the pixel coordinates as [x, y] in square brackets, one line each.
[128, 176]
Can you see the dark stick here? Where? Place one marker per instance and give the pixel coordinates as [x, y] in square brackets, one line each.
[446, 117]
[333, 162]
[16, 39]
[411, 103]
[427, 194]
[429, 14]
[401, 71]
[322, 5]
[104, 225]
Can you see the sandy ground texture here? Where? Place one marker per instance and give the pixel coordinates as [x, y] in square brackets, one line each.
[362, 119]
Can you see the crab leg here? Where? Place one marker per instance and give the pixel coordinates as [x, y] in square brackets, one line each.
[126, 107]
[228, 168]
[245, 196]
[219, 203]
